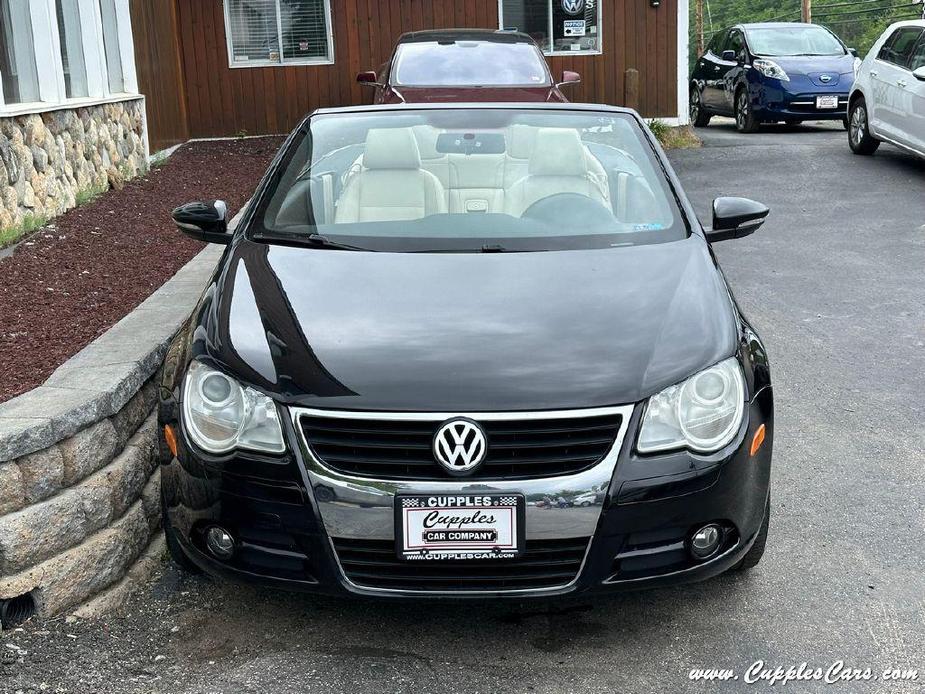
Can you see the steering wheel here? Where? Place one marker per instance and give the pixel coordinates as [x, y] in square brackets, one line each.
[570, 209]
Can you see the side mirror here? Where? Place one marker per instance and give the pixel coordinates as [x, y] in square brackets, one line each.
[919, 74]
[853, 51]
[367, 77]
[569, 77]
[203, 221]
[734, 218]
[729, 56]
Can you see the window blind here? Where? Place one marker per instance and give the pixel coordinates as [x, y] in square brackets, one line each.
[277, 31]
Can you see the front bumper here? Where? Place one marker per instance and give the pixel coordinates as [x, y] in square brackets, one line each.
[294, 519]
[796, 100]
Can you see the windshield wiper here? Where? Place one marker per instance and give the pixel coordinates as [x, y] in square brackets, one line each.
[314, 240]
[325, 242]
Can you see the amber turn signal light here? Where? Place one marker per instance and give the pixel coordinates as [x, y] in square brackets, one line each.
[171, 439]
[758, 439]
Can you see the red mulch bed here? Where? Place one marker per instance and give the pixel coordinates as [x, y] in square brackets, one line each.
[70, 282]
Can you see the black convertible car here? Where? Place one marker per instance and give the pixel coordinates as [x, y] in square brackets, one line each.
[467, 350]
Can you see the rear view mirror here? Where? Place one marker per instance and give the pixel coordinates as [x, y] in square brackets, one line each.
[368, 78]
[204, 221]
[569, 77]
[734, 218]
[853, 51]
[919, 74]
[729, 56]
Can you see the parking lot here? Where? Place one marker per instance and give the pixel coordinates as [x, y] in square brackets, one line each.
[834, 283]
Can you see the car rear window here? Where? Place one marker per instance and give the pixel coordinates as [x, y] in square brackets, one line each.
[469, 63]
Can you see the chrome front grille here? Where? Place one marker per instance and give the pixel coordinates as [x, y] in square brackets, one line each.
[520, 446]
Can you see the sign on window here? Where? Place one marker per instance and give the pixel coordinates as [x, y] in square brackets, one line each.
[558, 26]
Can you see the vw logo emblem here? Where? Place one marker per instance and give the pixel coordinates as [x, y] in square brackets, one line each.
[573, 6]
[460, 446]
[825, 78]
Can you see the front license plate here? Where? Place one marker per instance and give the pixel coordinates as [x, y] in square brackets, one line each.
[826, 102]
[459, 526]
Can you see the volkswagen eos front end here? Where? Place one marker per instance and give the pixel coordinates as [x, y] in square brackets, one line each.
[468, 350]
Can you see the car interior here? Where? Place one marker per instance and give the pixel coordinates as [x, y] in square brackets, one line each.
[414, 172]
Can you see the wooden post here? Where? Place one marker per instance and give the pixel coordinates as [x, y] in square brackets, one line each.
[699, 20]
[631, 96]
[808, 11]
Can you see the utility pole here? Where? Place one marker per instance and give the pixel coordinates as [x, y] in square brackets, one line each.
[699, 20]
[808, 11]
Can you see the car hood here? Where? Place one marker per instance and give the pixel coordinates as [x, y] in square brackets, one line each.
[466, 332]
[418, 95]
[815, 66]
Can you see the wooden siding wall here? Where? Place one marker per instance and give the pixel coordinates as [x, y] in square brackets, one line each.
[224, 101]
[160, 71]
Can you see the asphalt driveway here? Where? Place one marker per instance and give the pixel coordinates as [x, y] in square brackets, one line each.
[835, 284]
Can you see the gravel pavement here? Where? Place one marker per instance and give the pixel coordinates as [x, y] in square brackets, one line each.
[835, 284]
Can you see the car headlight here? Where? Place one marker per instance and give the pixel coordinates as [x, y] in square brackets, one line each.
[702, 413]
[769, 68]
[221, 415]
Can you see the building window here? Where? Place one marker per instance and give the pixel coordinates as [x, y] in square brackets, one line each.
[273, 32]
[558, 26]
[17, 55]
[70, 38]
[111, 46]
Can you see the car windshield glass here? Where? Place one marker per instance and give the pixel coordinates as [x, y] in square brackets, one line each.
[469, 63]
[476, 180]
[794, 40]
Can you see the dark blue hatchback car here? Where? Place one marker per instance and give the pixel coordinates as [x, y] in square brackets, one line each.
[773, 72]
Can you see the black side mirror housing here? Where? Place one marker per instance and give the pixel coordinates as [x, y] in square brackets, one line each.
[854, 52]
[203, 221]
[734, 218]
[729, 56]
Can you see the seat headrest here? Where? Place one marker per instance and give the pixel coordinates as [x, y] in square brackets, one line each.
[426, 137]
[391, 148]
[558, 152]
[520, 141]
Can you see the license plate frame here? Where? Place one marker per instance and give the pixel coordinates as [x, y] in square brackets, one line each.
[501, 538]
[827, 103]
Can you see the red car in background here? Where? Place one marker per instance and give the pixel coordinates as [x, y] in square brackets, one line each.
[465, 65]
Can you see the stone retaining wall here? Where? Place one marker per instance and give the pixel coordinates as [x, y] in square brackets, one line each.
[79, 480]
[79, 513]
[48, 159]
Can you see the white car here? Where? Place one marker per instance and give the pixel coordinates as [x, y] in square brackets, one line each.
[887, 102]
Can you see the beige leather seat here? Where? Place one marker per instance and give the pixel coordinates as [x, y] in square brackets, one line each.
[392, 186]
[558, 164]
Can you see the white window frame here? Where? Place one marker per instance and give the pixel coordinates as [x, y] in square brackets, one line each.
[50, 68]
[329, 19]
[600, 31]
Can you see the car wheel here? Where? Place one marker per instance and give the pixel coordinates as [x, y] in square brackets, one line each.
[173, 544]
[745, 116]
[753, 556]
[859, 137]
[699, 116]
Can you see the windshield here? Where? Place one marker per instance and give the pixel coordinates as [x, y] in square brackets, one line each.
[479, 180]
[794, 40]
[469, 64]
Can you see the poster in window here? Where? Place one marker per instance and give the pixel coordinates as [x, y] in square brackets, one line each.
[574, 24]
